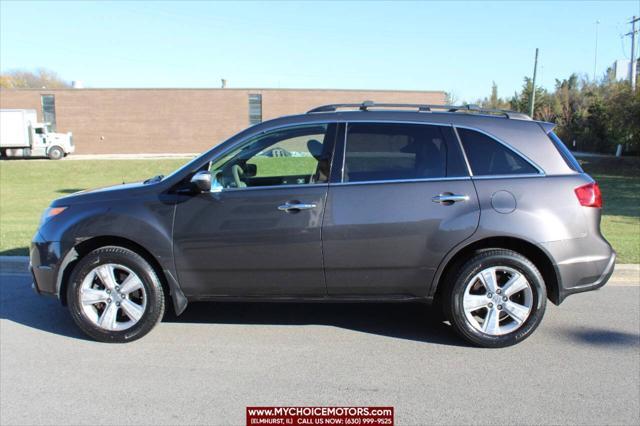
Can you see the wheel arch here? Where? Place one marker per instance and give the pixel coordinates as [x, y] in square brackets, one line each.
[533, 252]
[169, 284]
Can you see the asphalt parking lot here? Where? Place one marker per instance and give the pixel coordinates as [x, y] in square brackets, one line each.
[582, 366]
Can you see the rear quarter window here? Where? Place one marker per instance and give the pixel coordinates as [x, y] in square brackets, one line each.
[488, 157]
[567, 156]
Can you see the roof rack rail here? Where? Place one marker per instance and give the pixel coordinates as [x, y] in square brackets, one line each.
[467, 108]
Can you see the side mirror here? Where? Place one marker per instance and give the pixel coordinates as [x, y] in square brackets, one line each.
[202, 180]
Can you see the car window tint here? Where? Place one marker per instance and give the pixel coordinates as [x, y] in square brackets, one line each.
[489, 157]
[394, 151]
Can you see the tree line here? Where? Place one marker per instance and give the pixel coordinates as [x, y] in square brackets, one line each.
[41, 78]
[591, 116]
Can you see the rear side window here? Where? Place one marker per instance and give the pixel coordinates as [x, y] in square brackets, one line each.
[395, 151]
[488, 157]
[565, 153]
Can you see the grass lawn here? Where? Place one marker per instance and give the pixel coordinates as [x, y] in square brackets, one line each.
[28, 186]
[619, 180]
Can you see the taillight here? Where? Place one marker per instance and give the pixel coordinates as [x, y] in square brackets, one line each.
[589, 195]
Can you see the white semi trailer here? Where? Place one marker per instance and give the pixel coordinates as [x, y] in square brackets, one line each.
[21, 135]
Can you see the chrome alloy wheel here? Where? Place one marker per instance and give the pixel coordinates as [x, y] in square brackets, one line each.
[112, 297]
[497, 300]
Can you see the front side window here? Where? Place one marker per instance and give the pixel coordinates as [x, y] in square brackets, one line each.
[489, 157]
[397, 151]
[292, 156]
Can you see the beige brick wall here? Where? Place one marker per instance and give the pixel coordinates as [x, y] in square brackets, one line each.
[120, 121]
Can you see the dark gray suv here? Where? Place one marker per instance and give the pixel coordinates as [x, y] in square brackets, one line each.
[485, 213]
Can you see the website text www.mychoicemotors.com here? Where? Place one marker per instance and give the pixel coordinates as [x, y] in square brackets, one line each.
[319, 416]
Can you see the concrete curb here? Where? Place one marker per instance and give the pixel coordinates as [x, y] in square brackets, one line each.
[624, 274]
[14, 264]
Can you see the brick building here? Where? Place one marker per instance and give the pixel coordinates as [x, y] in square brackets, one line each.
[110, 121]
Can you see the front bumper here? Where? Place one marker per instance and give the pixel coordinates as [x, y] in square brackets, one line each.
[44, 263]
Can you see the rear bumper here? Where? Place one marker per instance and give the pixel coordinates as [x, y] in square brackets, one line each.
[589, 271]
[590, 284]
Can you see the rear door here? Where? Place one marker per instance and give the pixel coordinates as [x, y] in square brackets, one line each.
[402, 200]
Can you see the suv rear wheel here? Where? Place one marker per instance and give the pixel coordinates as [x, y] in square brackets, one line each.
[114, 295]
[496, 299]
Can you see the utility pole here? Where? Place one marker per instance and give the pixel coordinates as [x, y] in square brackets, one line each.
[595, 55]
[532, 99]
[633, 51]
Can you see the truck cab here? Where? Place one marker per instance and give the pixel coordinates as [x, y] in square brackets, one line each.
[45, 142]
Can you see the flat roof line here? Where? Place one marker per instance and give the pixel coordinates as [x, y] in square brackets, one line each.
[225, 89]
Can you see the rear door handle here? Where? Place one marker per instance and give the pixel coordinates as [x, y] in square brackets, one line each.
[448, 198]
[294, 207]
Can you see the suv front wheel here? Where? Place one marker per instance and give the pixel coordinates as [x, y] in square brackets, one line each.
[496, 299]
[114, 295]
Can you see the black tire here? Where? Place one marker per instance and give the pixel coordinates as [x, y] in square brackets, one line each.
[56, 153]
[155, 303]
[460, 277]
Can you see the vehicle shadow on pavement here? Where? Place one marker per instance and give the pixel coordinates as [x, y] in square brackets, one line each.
[20, 304]
[411, 321]
[608, 338]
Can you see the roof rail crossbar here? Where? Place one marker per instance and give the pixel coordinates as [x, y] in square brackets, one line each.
[467, 108]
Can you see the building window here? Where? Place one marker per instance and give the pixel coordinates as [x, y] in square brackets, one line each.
[255, 109]
[49, 111]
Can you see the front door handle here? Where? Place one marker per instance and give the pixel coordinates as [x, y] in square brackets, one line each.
[295, 207]
[448, 198]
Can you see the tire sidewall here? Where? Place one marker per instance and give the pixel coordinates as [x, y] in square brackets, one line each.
[479, 263]
[56, 153]
[155, 302]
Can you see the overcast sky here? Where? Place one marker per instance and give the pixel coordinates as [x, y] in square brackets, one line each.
[459, 47]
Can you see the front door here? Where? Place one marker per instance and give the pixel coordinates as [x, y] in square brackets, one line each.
[404, 201]
[258, 232]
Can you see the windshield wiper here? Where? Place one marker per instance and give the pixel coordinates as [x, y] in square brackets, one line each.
[154, 179]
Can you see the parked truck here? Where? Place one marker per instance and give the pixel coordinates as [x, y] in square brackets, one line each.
[21, 135]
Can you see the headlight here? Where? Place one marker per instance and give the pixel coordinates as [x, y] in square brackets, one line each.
[51, 212]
